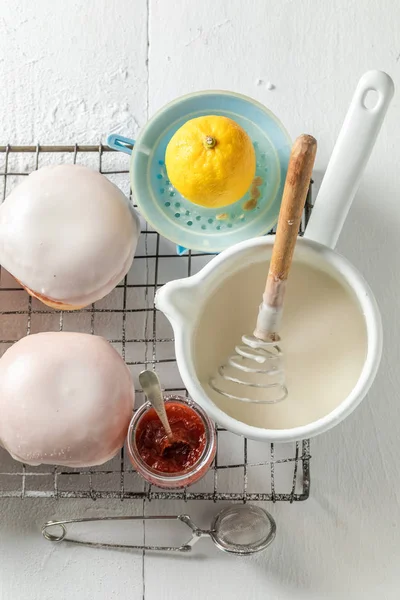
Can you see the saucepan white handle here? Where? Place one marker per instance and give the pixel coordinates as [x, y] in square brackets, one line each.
[349, 158]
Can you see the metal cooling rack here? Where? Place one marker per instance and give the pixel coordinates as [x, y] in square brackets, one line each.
[243, 471]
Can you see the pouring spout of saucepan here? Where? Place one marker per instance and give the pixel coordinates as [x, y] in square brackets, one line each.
[178, 300]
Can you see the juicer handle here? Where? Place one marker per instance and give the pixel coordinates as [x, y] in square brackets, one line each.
[349, 158]
[120, 143]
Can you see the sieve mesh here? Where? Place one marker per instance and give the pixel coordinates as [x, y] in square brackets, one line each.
[243, 529]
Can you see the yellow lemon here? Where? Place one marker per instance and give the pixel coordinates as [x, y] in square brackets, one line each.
[211, 161]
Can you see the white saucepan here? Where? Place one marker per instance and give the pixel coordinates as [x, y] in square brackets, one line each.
[331, 331]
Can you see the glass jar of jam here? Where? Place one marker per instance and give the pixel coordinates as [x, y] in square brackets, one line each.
[174, 465]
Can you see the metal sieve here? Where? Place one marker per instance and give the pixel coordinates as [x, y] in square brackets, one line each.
[239, 529]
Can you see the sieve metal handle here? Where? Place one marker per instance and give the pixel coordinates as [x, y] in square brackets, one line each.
[120, 143]
[197, 533]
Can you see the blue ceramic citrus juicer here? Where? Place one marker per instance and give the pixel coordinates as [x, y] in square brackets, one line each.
[191, 226]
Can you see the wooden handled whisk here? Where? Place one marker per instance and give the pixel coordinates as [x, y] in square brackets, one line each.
[256, 372]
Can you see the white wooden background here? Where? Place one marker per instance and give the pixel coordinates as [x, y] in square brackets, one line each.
[71, 71]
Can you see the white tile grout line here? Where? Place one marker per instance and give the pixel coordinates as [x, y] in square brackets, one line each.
[147, 275]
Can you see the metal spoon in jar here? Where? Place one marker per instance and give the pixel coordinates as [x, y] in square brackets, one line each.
[152, 389]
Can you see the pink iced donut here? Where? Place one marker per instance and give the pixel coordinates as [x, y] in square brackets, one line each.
[68, 235]
[65, 399]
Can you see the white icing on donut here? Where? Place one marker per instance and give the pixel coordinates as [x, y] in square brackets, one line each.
[65, 399]
[68, 233]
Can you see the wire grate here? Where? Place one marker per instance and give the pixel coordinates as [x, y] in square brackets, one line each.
[243, 471]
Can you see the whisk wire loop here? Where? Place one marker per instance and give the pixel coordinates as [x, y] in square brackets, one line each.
[258, 358]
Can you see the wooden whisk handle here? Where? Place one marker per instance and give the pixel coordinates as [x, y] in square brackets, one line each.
[298, 179]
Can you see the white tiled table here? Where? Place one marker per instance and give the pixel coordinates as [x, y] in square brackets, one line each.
[71, 72]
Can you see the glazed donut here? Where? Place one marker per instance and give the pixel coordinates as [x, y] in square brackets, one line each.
[68, 235]
[65, 399]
